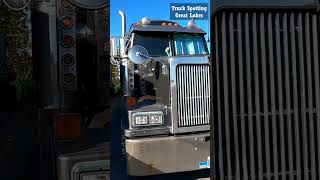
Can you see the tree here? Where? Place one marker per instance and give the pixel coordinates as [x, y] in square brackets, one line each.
[16, 29]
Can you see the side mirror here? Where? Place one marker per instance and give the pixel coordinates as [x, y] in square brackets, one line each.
[117, 47]
[138, 54]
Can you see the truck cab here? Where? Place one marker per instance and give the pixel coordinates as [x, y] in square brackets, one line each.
[164, 72]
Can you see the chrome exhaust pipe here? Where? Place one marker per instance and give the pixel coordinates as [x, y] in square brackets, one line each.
[123, 23]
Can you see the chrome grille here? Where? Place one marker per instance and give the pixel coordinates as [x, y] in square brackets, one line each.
[193, 92]
[267, 91]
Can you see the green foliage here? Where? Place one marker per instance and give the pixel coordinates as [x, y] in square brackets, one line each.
[14, 28]
[24, 85]
[116, 79]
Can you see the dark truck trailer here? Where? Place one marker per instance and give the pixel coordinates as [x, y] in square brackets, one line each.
[7, 80]
[266, 89]
[70, 40]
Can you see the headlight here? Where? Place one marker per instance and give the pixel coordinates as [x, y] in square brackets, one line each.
[156, 119]
[140, 120]
[147, 118]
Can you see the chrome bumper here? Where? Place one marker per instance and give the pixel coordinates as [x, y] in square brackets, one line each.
[159, 155]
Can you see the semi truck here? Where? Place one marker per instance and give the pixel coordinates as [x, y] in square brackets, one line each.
[70, 46]
[164, 72]
[265, 89]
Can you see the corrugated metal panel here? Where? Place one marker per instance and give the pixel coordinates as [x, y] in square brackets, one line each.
[267, 95]
[193, 95]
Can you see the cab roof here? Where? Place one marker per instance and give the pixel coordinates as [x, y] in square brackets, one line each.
[156, 26]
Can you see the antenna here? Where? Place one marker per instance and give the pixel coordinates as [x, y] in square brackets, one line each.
[124, 6]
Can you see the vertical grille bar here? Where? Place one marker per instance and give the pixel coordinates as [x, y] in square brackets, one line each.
[288, 93]
[233, 87]
[193, 95]
[196, 94]
[317, 84]
[272, 94]
[257, 93]
[241, 95]
[295, 93]
[201, 92]
[225, 88]
[310, 98]
[249, 95]
[267, 95]
[187, 94]
[280, 95]
[207, 93]
[302, 95]
[191, 91]
[219, 159]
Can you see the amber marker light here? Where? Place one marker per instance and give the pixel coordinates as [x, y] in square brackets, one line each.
[131, 101]
[68, 78]
[67, 41]
[66, 4]
[67, 126]
[67, 60]
[67, 22]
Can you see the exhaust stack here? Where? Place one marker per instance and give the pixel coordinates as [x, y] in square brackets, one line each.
[123, 23]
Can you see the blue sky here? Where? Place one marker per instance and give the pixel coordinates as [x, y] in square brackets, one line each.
[154, 9]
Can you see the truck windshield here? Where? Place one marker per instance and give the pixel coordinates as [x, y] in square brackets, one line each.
[189, 44]
[156, 44]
